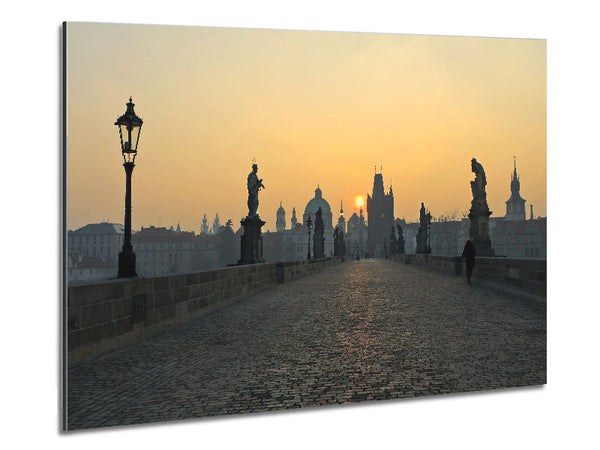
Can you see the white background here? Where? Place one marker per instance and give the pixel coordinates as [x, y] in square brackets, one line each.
[562, 414]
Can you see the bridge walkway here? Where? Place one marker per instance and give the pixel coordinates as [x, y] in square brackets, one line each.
[368, 330]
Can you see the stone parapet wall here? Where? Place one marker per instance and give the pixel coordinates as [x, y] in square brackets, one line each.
[290, 270]
[446, 264]
[115, 314]
[526, 274]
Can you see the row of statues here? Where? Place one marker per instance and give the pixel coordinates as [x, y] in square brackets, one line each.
[479, 214]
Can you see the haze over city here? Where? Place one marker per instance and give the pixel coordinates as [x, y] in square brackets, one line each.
[312, 108]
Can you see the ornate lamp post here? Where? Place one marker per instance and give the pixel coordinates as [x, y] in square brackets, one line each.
[129, 132]
[428, 233]
[308, 224]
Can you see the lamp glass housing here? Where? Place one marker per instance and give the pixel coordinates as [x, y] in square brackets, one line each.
[130, 126]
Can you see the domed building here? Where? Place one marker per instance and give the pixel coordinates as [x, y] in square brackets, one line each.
[311, 210]
[313, 205]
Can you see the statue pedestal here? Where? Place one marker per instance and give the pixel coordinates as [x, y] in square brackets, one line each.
[252, 249]
[480, 232]
[422, 247]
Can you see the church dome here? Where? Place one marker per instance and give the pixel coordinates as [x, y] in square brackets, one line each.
[318, 201]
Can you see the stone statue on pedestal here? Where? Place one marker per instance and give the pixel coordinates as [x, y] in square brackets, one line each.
[318, 238]
[479, 202]
[252, 248]
[480, 213]
[400, 244]
[393, 242]
[254, 185]
[423, 231]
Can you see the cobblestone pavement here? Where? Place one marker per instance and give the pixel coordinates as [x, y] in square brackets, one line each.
[370, 330]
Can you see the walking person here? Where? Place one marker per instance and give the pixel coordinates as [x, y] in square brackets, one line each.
[469, 255]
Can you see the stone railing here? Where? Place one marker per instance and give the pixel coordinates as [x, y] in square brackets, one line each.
[115, 314]
[287, 271]
[524, 274]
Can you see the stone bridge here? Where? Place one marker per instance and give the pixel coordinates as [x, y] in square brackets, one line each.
[370, 330]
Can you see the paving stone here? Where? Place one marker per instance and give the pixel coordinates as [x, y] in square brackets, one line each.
[353, 332]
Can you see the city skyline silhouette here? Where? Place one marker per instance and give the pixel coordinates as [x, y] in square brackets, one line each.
[213, 100]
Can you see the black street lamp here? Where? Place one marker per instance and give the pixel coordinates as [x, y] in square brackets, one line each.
[308, 224]
[129, 132]
[428, 233]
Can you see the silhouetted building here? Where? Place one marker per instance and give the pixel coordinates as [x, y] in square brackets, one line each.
[204, 226]
[163, 252]
[341, 224]
[295, 243]
[280, 224]
[286, 245]
[520, 238]
[96, 239]
[515, 205]
[513, 235]
[357, 235]
[216, 225]
[311, 210]
[293, 220]
[292, 244]
[380, 212]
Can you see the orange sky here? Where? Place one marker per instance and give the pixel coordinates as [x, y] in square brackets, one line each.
[311, 107]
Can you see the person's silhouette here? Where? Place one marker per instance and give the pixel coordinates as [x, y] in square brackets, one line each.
[469, 255]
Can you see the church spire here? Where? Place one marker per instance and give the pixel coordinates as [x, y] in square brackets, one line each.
[515, 205]
[294, 220]
[515, 184]
[341, 225]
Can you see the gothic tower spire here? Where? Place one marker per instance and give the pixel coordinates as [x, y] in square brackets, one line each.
[515, 205]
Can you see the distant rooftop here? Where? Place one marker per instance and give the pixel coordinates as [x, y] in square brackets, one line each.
[162, 234]
[100, 228]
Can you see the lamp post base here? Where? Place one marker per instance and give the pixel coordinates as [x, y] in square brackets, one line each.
[127, 265]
